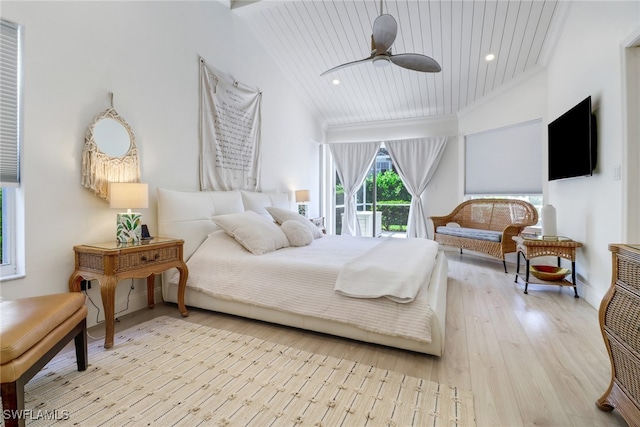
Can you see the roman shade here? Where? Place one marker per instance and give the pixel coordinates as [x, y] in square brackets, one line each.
[10, 119]
[505, 161]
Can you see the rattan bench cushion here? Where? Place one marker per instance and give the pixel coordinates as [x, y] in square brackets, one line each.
[471, 233]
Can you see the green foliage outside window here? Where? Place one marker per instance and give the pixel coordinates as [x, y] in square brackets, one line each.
[393, 200]
[394, 215]
[389, 187]
[339, 194]
[392, 197]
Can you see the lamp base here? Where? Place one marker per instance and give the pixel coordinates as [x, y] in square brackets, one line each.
[302, 209]
[129, 228]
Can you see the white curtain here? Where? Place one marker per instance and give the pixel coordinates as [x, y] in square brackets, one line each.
[416, 161]
[353, 161]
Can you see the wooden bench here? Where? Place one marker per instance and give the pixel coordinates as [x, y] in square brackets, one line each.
[485, 225]
[32, 331]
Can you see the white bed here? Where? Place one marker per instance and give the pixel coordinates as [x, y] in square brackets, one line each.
[294, 286]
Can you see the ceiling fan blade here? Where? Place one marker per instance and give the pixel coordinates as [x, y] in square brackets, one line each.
[348, 64]
[416, 62]
[385, 29]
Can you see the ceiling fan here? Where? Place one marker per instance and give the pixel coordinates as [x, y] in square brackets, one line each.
[385, 29]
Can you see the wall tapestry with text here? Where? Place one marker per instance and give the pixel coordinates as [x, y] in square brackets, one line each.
[229, 132]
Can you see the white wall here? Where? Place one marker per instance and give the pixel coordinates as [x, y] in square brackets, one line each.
[631, 145]
[394, 129]
[519, 101]
[588, 61]
[146, 53]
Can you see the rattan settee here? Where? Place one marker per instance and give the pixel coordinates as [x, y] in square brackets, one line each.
[485, 225]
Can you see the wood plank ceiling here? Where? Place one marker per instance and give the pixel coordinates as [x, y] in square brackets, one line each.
[308, 37]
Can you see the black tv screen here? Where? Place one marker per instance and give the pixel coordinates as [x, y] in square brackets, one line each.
[572, 143]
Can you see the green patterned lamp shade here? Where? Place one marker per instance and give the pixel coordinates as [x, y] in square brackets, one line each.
[128, 196]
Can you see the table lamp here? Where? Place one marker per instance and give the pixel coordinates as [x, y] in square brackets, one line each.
[128, 195]
[302, 198]
[549, 230]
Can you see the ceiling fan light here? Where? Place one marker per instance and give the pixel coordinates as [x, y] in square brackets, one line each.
[381, 61]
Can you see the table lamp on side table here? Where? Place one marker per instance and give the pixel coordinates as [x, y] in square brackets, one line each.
[128, 195]
[549, 230]
[302, 198]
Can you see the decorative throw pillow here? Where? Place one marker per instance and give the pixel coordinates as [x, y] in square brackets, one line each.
[297, 233]
[256, 234]
[282, 215]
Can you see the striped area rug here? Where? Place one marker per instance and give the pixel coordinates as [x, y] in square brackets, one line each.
[168, 372]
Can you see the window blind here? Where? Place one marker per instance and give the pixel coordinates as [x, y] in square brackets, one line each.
[10, 75]
[506, 160]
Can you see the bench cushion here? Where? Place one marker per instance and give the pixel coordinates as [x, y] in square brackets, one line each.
[27, 321]
[471, 233]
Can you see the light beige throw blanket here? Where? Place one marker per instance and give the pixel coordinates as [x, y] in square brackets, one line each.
[394, 269]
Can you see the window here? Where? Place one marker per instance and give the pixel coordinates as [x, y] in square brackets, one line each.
[12, 214]
[387, 209]
[505, 163]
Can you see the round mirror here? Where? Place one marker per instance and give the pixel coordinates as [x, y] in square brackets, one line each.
[112, 138]
[109, 154]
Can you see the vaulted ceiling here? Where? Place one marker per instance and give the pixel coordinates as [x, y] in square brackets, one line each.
[308, 37]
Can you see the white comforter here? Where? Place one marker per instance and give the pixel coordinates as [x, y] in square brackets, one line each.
[392, 269]
[301, 280]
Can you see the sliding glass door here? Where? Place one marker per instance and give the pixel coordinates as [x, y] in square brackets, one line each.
[382, 201]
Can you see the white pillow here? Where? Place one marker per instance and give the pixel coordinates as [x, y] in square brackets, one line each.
[256, 234]
[297, 233]
[282, 215]
[257, 202]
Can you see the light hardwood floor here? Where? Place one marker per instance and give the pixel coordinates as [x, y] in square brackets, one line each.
[530, 360]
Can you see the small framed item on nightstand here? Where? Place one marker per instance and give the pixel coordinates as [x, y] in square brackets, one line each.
[319, 222]
[145, 233]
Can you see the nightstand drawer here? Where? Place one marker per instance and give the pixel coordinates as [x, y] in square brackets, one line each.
[627, 368]
[90, 262]
[136, 260]
[629, 272]
[626, 328]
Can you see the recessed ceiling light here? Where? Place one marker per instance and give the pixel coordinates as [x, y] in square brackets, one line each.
[490, 57]
[335, 82]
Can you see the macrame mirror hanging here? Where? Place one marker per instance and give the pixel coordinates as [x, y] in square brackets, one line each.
[110, 153]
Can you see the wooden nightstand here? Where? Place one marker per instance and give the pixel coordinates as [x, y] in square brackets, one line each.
[110, 262]
[532, 247]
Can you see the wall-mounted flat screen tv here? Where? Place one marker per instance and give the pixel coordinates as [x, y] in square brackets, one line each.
[572, 143]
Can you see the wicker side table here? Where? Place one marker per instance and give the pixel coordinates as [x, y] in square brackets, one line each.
[533, 247]
[110, 262]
